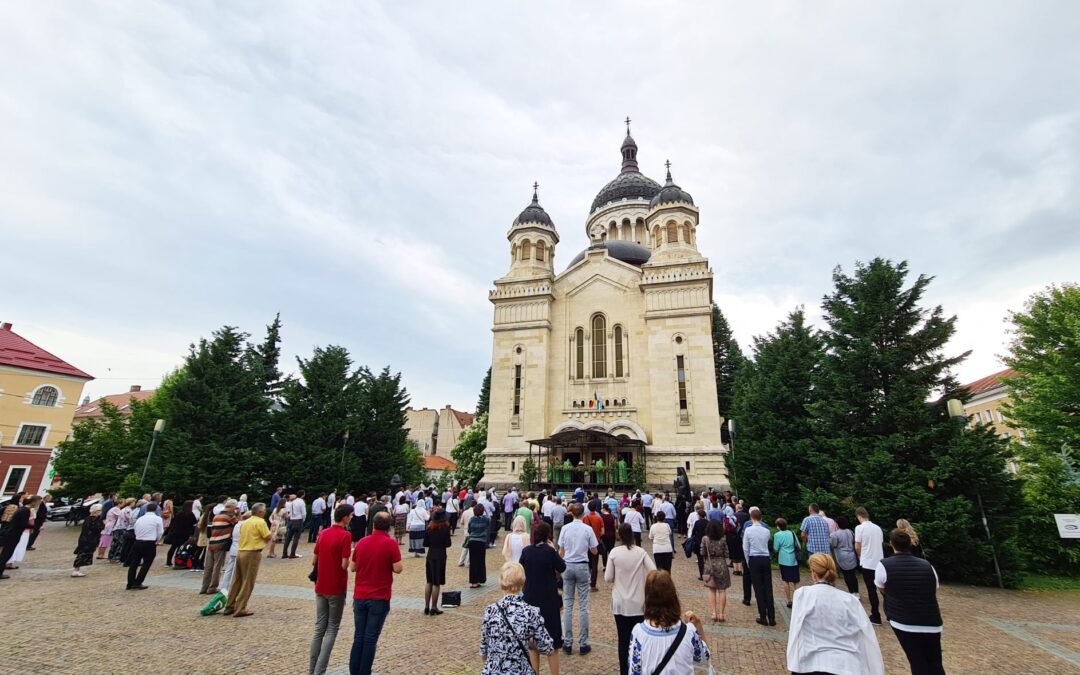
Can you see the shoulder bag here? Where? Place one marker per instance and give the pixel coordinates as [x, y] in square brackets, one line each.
[671, 650]
[520, 644]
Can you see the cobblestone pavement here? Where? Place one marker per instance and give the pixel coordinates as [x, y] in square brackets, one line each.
[58, 624]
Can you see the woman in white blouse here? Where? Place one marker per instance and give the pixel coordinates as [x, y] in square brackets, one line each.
[515, 541]
[660, 535]
[830, 631]
[627, 567]
[667, 641]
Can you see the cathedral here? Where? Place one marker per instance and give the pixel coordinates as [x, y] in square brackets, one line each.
[603, 373]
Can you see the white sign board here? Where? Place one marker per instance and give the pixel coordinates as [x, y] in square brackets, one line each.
[1068, 525]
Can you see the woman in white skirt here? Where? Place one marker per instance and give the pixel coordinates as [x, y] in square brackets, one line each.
[416, 523]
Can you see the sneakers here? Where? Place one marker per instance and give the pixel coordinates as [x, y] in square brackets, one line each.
[876, 620]
[77, 573]
[585, 649]
[568, 649]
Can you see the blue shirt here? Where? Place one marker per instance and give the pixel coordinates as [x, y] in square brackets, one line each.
[756, 540]
[817, 534]
[716, 514]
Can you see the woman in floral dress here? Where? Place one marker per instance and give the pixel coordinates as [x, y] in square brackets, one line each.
[510, 625]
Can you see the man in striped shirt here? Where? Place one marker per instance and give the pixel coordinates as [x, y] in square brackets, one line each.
[219, 539]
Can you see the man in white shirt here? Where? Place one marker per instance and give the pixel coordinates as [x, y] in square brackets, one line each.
[646, 507]
[558, 517]
[297, 512]
[148, 530]
[318, 510]
[196, 507]
[331, 501]
[577, 542]
[868, 546]
[358, 524]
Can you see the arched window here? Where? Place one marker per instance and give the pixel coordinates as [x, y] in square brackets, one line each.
[599, 346]
[540, 247]
[526, 250]
[619, 369]
[672, 233]
[46, 396]
[613, 231]
[686, 233]
[656, 237]
[627, 231]
[579, 354]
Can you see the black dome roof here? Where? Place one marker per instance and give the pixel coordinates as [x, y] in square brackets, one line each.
[630, 183]
[626, 251]
[534, 213]
[671, 193]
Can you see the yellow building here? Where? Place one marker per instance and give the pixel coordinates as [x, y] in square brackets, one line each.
[984, 403]
[38, 396]
[436, 432]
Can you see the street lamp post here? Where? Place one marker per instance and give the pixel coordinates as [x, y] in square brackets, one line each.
[956, 412]
[159, 426]
[344, 442]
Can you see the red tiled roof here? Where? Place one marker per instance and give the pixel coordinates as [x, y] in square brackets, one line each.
[121, 401]
[463, 418]
[983, 385]
[18, 352]
[436, 463]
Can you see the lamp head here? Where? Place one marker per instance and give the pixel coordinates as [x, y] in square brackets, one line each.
[159, 426]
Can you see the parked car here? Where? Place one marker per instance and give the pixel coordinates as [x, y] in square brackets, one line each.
[72, 512]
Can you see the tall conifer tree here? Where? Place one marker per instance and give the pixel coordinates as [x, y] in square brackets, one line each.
[727, 359]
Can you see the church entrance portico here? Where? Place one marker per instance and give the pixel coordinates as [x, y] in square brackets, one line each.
[591, 458]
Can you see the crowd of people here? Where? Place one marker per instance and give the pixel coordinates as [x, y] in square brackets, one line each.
[557, 547]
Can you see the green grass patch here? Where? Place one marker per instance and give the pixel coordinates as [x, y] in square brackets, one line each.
[1045, 582]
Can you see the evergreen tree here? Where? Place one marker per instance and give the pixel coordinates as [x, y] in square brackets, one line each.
[265, 358]
[382, 431]
[775, 436]
[882, 444]
[485, 395]
[1045, 352]
[218, 420]
[468, 454]
[318, 408]
[727, 359]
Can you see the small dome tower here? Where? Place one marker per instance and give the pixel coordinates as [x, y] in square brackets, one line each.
[673, 219]
[532, 241]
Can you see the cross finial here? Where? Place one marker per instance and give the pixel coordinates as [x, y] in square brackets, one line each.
[668, 165]
[627, 125]
[536, 187]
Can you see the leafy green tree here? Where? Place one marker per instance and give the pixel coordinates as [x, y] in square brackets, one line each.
[882, 444]
[468, 454]
[1045, 353]
[99, 455]
[727, 359]
[485, 395]
[413, 464]
[775, 434]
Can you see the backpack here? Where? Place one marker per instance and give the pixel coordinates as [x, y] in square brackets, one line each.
[184, 556]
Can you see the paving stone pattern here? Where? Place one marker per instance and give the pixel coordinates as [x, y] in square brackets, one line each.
[58, 624]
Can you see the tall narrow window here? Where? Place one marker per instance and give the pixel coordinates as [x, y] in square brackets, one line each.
[618, 351]
[579, 354]
[681, 366]
[517, 390]
[540, 251]
[672, 233]
[526, 250]
[686, 233]
[599, 346]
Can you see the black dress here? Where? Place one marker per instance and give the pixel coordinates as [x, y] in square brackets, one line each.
[88, 541]
[542, 563]
[437, 541]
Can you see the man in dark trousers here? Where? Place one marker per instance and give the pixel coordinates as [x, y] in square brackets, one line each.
[39, 521]
[910, 586]
[15, 519]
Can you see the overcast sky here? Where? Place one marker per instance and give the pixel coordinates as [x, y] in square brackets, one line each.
[166, 168]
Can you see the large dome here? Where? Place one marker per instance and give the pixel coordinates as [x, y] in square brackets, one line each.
[626, 251]
[630, 183]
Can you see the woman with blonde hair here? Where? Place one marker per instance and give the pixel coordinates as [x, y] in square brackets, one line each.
[513, 635]
[516, 541]
[830, 632]
[916, 546]
[279, 520]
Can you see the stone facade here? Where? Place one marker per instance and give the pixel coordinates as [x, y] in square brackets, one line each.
[620, 341]
[436, 432]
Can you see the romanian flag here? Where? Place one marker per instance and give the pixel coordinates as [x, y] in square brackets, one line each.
[599, 403]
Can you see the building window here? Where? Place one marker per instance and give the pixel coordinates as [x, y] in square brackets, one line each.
[687, 465]
[15, 480]
[579, 354]
[517, 390]
[672, 233]
[526, 250]
[680, 365]
[540, 251]
[46, 396]
[618, 351]
[31, 434]
[513, 467]
[686, 233]
[599, 346]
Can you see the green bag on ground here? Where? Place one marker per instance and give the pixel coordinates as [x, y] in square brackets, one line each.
[216, 604]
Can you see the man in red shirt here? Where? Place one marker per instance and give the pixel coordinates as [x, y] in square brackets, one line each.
[375, 560]
[333, 549]
[594, 521]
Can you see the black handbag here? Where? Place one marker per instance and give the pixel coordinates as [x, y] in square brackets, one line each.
[451, 599]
